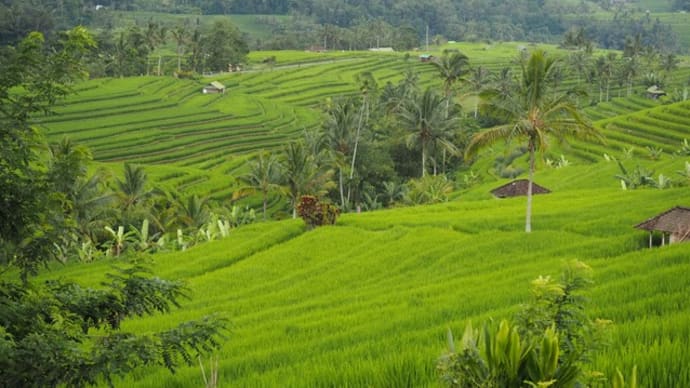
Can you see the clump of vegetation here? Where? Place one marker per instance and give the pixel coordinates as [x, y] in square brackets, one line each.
[641, 177]
[429, 189]
[546, 345]
[315, 213]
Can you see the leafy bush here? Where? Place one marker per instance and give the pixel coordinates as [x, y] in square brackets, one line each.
[314, 213]
[548, 345]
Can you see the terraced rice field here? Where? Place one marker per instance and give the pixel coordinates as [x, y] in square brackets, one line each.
[161, 121]
[368, 301]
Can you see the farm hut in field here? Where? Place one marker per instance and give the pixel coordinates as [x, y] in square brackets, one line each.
[517, 188]
[674, 225]
[214, 87]
[654, 92]
[426, 58]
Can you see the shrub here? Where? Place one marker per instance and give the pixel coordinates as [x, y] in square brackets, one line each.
[548, 344]
[314, 213]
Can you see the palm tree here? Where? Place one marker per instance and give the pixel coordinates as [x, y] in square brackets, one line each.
[133, 194]
[604, 69]
[478, 81]
[180, 35]
[533, 114]
[367, 85]
[302, 174]
[154, 36]
[92, 205]
[193, 212]
[340, 122]
[452, 68]
[429, 123]
[264, 176]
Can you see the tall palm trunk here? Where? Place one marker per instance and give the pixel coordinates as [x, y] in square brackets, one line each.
[354, 151]
[528, 216]
[423, 159]
[340, 187]
[265, 203]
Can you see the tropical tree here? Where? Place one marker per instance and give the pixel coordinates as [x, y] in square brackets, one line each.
[154, 36]
[92, 205]
[604, 69]
[67, 163]
[429, 124]
[193, 211]
[341, 120]
[478, 80]
[367, 86]
[224, 45]
[303, 174]
[54, 333]
[451, 68]
[180, 35]
[533, 114]
[133, 194]
[264, 176]
[580, 62]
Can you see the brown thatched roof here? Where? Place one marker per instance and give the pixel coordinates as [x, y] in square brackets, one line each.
[675, 220]
[517, 188]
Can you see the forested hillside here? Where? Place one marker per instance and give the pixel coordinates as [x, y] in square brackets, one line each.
[403, 24]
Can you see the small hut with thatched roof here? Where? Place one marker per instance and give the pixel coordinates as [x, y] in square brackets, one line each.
[673, 223]
[654, 92]
[517, 188]
[214, 87]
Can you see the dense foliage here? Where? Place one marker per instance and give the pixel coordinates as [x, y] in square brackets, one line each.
[58, 333]
[330, 24]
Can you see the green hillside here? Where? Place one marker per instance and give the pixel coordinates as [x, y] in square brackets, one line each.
[368, 301]
[197, 142]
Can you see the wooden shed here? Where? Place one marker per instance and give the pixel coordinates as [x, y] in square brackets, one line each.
[214, 87]
[517, 188]
[674, 225]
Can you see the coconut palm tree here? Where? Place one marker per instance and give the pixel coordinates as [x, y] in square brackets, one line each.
[451, 68]
[429, 122]
[133, 195]
[367, 86]
[264, 176]
[478, 80]
[534, 113]
[180, 35]
[340, 122]
[302, 174]
[92, 205]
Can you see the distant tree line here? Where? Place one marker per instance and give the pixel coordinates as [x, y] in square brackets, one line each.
[353, 24]
[131, 51]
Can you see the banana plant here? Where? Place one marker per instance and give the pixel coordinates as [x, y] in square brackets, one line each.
[142, 239]
[119, 241]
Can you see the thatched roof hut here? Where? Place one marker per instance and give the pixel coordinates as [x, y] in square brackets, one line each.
[517, 188]
[654, 92]
[214, 87]
[674, 222]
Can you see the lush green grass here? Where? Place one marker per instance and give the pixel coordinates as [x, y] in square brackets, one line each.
[367, 302]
